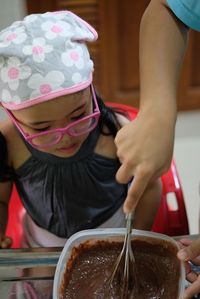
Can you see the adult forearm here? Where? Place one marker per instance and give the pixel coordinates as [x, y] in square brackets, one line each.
[163, 41]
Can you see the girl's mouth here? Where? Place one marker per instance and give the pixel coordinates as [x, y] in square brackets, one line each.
[68, 149]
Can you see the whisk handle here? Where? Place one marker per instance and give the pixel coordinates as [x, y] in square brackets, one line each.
[129, 218]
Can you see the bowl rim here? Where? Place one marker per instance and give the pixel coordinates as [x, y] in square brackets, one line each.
[104, 234]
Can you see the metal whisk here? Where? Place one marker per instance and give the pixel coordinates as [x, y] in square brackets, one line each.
[125, 264]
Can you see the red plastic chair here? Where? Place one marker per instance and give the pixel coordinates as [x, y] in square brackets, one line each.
[16, 212]
[171, 219]
[168, 220]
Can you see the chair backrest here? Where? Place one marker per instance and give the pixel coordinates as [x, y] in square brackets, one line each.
[171, 218]
[16, 212]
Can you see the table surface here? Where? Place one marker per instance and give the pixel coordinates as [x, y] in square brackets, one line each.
[29, 273]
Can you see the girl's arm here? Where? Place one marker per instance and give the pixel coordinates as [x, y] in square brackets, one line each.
[6, 178]
[5, 193]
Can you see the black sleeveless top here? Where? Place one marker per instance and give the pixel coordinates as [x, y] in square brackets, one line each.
[65, 195]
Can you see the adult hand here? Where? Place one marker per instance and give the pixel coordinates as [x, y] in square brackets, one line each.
[144, 147]
[190, 251]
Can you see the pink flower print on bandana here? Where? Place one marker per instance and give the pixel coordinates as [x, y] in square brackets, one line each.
[73, 57]
[45, 85]
[44, 56]
[6, 97]
[16, 36]
[55, 29]
[38, 49]
[77, 78]
[14, 72]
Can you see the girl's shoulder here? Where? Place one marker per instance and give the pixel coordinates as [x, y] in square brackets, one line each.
[6, 170]
[9, 132]
[105, 145]
[16, 149]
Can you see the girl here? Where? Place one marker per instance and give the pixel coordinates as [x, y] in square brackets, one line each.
[58, 142]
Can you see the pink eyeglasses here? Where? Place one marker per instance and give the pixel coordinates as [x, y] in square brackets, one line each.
[51, 137]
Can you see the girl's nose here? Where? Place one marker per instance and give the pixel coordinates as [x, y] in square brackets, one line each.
[65, 137]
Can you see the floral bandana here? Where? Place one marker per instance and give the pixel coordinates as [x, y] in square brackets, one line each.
[43, 57]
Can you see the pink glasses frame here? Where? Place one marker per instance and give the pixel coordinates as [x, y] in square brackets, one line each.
[62, 131]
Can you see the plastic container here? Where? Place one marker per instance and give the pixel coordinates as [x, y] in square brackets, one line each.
[108, 234]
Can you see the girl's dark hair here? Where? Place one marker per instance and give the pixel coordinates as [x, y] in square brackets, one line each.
[108, 118]
[6, 171]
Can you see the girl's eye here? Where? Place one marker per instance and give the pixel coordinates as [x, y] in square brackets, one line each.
[42, 129]
[78, 116]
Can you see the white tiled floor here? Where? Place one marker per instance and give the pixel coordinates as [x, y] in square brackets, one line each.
[187, 158]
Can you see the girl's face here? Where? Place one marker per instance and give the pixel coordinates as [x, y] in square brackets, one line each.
[55, 114]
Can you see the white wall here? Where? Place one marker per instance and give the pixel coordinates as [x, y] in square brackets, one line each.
[186, 155]
[10, 11]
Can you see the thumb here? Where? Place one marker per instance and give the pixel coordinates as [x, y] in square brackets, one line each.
[124, 174]
[190, 252]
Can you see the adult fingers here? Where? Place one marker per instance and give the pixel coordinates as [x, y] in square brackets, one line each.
[190, 252]
[135, 191]
[191, 276]
[185, 242]
[124, 174]
[193, 289]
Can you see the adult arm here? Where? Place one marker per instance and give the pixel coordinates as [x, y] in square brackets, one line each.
[145, 145]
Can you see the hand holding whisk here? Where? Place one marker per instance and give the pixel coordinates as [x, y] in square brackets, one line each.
[124, 269]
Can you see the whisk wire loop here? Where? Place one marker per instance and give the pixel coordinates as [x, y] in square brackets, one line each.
[126, 256]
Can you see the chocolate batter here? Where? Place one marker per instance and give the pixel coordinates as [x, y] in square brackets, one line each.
[90, 266]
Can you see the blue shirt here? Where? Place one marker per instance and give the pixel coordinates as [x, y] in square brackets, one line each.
[188, 11]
